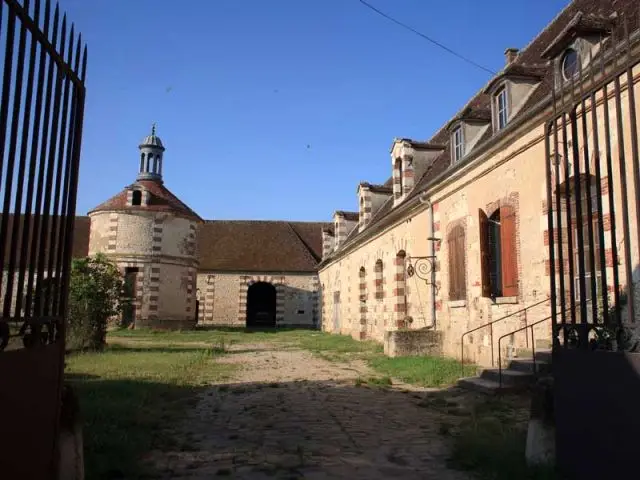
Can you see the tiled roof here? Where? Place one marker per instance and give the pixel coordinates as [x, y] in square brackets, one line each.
[80, 237]
[260, 246]
[160, 199]
[588, 15]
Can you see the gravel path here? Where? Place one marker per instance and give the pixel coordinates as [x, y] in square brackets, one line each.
[291, 415]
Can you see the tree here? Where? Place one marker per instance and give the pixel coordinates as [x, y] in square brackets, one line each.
[95, 295]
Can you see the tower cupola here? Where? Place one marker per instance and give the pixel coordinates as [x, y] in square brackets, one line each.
[151, 151]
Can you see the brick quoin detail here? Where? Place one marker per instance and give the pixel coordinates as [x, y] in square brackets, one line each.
[379, 280]
[400, 303]
[363, 303]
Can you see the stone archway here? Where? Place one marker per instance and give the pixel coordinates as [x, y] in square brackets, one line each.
[261, 305]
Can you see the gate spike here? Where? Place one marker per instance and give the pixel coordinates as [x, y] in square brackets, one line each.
[71, 39]
[78, 49]
[84, 64]
[63, 35]
[47, 18]
[36, 13]
[591, 75]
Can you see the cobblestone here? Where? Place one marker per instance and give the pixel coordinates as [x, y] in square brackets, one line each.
[290, 415]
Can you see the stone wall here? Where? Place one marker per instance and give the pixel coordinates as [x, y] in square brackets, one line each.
[510, 172]
[222, 298]
[514, 173]
[163, 247]
[405, 343]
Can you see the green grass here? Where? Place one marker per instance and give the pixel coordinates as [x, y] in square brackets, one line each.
[423, 371]
[131, 396]
[490, 441]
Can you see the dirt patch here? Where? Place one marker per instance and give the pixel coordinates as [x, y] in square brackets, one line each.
[290, 414]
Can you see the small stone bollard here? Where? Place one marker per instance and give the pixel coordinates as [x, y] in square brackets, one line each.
[541, 440]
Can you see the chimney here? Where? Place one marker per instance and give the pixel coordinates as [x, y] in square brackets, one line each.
[510, 54]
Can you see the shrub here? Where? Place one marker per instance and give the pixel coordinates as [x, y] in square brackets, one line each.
[95, 295]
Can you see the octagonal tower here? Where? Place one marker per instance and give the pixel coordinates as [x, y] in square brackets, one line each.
[152, 237]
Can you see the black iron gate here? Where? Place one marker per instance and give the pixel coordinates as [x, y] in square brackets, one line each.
[593, 188]
[41, 116]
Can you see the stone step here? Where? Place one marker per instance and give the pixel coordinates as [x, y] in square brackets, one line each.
[510, 378]
[482, 385]
[541, 355]
[529, 366]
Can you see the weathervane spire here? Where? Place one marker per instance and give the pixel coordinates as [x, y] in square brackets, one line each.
[153, 128]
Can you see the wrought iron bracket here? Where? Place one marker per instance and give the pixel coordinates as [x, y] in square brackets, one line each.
[422, 267]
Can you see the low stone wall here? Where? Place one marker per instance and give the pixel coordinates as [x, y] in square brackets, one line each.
[401, 343]
[163, 324]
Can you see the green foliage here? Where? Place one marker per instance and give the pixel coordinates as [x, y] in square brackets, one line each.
[95, 295]
[131, 399]
[425, 371]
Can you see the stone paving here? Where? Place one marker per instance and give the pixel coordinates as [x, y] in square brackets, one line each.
[291, 415]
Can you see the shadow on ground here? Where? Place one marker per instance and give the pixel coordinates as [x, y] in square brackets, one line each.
[310, 429]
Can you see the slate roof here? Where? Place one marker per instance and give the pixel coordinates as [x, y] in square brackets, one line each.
[260, 246]
[80, 237]
[161, 199]
[579, 15]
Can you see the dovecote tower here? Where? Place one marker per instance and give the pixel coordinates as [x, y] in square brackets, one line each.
[152, 236]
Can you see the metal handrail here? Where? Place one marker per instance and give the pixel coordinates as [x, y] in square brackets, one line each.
[533, 343]
[490, 324]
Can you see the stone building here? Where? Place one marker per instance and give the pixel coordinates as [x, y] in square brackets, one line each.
[181, 270]
[457, 236]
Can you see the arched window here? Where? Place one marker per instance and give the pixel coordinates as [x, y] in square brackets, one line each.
[379, 280]
[136, 198]
[141, 162]
[456, 251]
[149, 160]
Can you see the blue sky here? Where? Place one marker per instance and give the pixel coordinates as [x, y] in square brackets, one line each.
[277, 109]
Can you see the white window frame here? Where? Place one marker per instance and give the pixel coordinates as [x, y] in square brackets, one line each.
[502, 114]
[457, 139]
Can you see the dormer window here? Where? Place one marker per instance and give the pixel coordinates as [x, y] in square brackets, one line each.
[136, 198]
[458, 144]
[570, 64]
[501, 108]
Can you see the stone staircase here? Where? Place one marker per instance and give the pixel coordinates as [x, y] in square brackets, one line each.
[518, 375]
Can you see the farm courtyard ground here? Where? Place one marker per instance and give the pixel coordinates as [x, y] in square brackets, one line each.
[286, 404]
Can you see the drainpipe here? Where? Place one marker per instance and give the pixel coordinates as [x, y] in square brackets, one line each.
[425, 201]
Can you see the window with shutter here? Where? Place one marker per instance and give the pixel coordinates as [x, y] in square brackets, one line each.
[457, 267]
[495, 254]
[484, 253]
[508, 251]
[498, 252]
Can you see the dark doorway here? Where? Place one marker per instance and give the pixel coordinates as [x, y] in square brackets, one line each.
[261, 305]
[130, 287]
